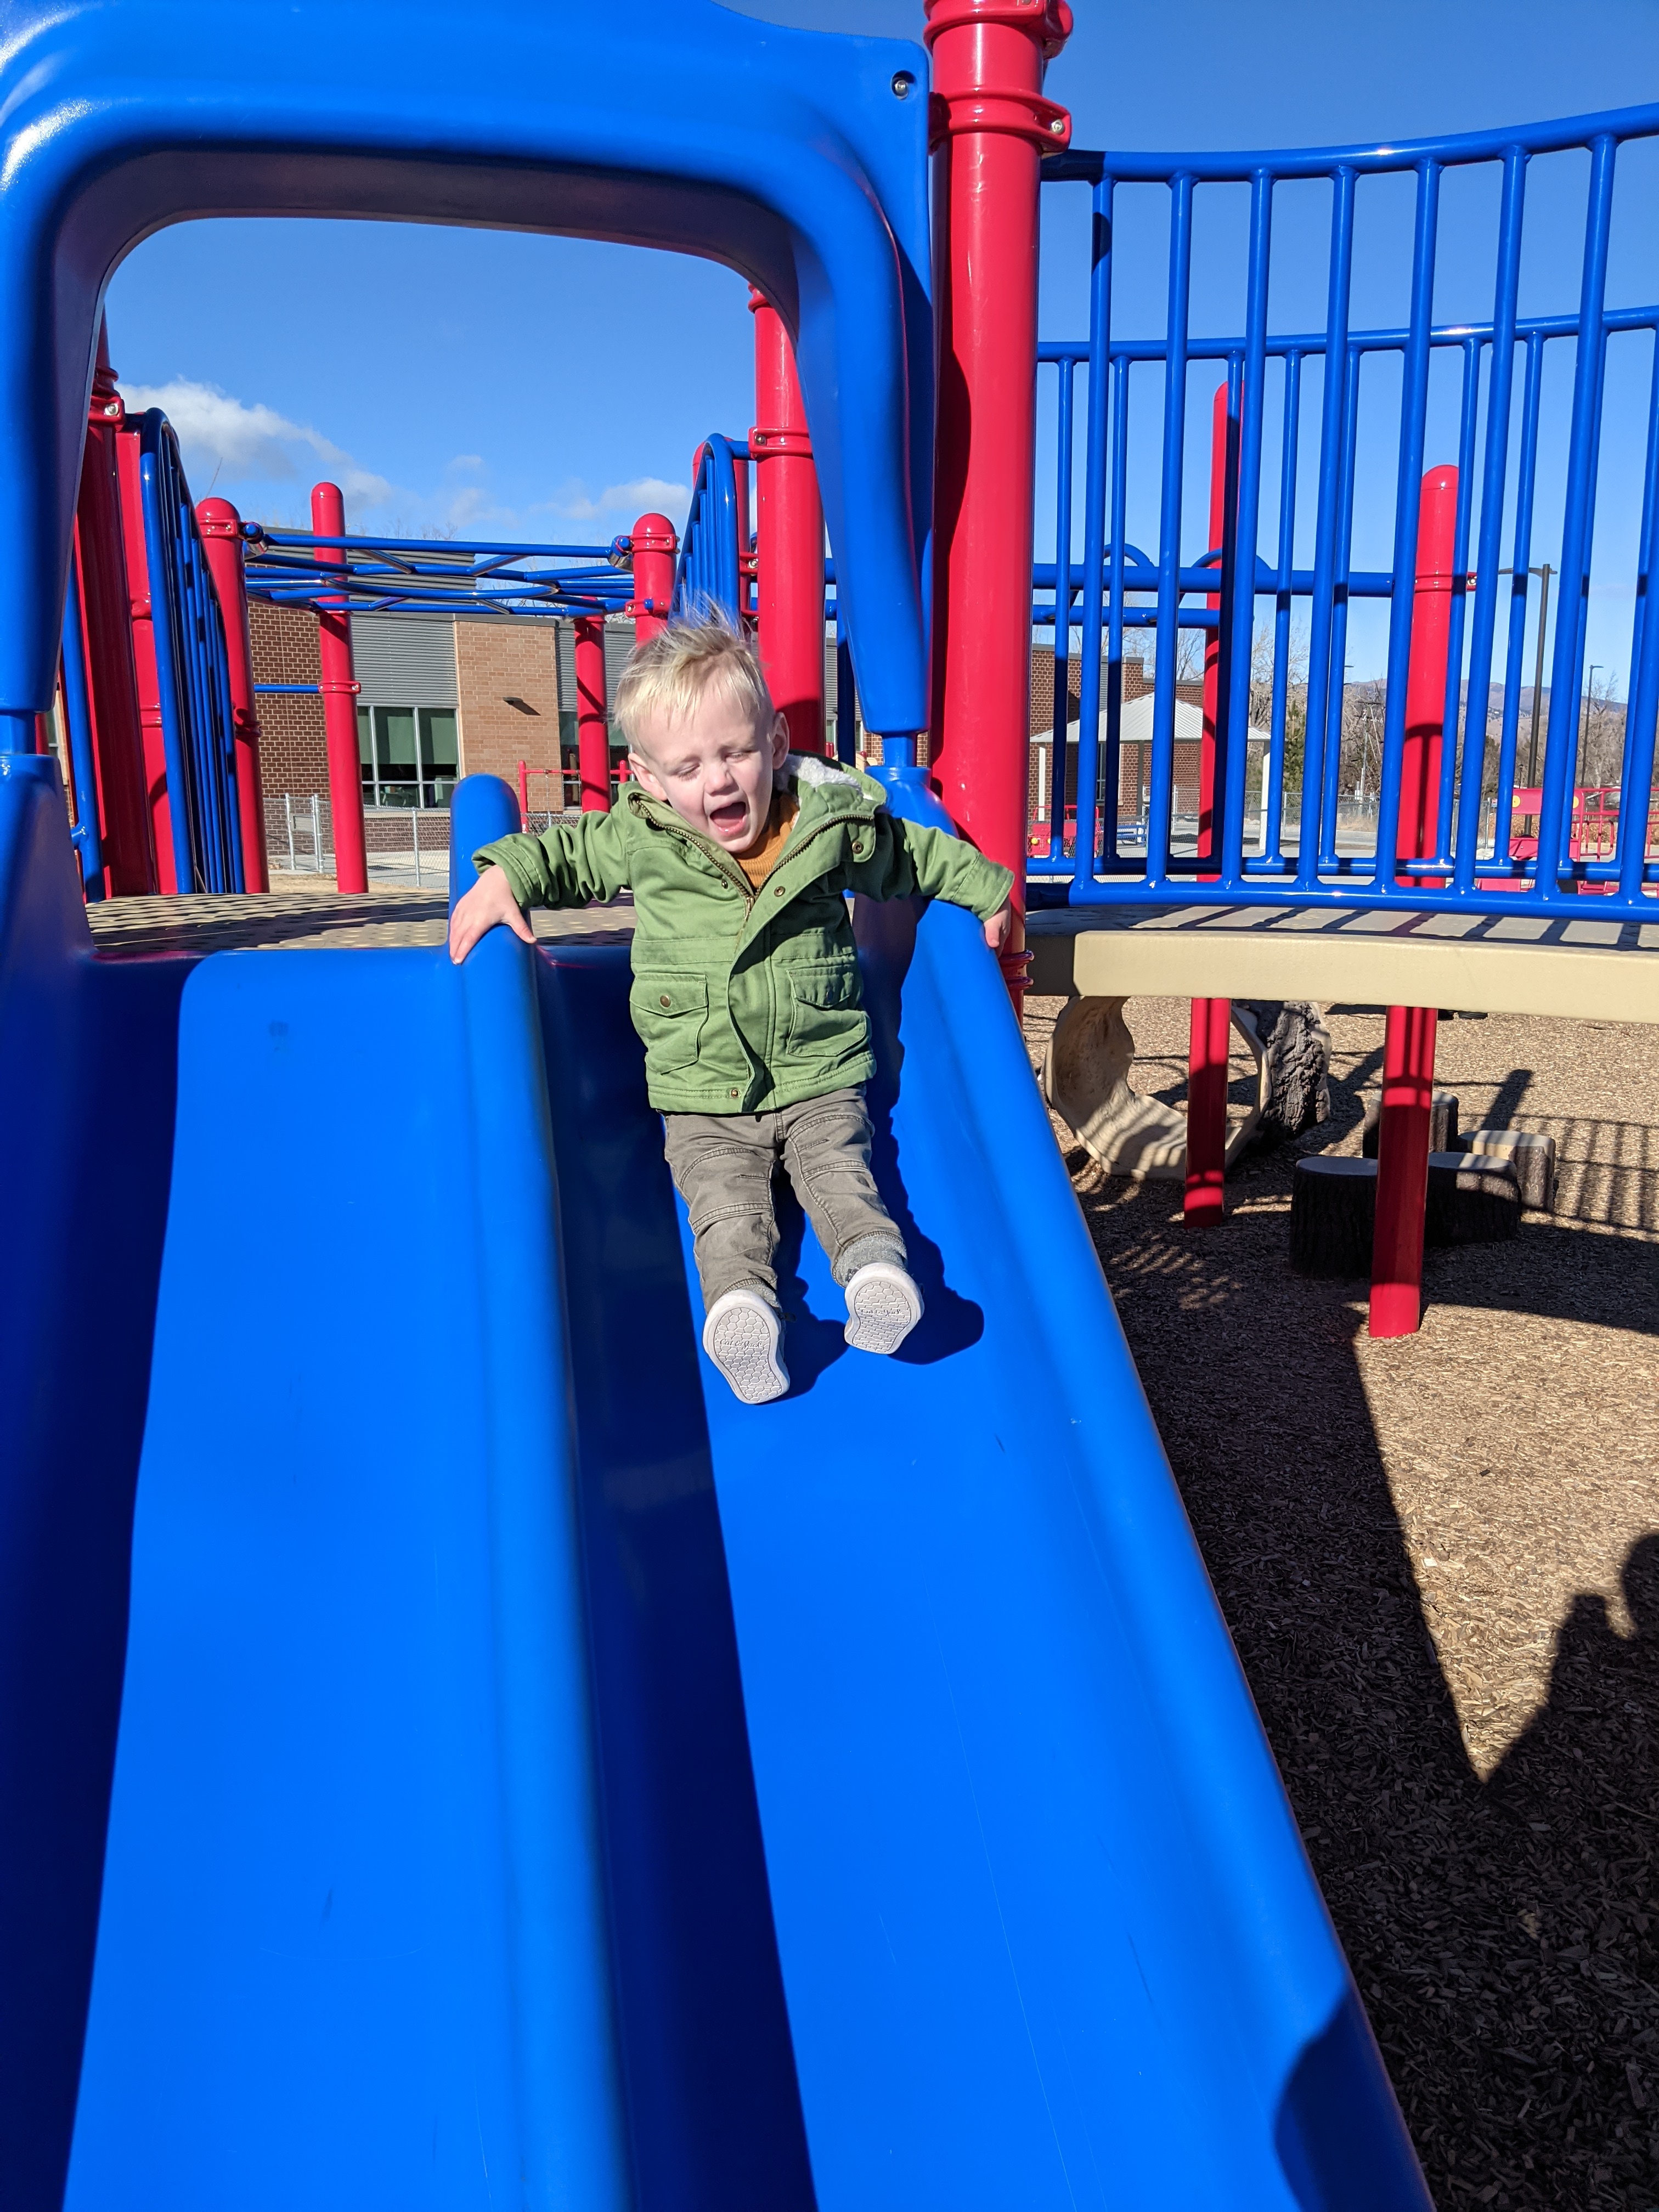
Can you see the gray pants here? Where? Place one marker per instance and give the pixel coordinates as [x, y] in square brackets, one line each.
[722, 1166]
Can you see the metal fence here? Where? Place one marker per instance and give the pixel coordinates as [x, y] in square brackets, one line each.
[405, 844]
[1483, 856]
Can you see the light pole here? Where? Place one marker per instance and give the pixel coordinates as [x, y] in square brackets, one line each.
[1546, 572]
[1583, 719]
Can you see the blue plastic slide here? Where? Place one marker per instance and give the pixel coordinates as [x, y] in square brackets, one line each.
[526, 1778]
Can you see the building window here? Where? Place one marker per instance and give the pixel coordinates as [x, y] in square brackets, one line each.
[388, 738]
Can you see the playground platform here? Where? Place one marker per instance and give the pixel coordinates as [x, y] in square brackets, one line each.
[1522, 963]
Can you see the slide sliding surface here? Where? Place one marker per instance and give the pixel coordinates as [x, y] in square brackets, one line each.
[543, 1781]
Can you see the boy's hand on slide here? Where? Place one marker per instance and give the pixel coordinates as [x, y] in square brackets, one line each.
[489, 901]
[996, 929]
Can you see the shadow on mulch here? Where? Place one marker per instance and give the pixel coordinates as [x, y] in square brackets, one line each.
[1505, 1934]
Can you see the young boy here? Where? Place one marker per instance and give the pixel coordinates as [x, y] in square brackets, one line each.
[745, 975]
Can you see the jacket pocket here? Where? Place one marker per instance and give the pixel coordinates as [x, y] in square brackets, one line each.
[670, 1010]
[827, 1019]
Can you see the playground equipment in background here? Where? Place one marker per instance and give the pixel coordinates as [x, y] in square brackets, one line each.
[408, 1884]
[1439, 846]
[159, 737]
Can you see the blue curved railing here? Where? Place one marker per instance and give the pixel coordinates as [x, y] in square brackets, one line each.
[78, 741]
[708, 571]
[192, 673]
[376, 575]
[1115, 584]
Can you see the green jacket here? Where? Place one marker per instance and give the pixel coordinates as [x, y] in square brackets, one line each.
[749, 998]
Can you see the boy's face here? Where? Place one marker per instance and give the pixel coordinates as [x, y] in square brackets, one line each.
[713, 768]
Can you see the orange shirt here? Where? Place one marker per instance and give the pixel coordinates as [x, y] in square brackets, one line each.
[780, 821]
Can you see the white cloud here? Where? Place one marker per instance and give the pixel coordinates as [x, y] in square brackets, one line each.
[644, 495]
[221, 435]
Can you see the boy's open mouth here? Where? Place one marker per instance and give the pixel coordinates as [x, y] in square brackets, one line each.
[734, 814]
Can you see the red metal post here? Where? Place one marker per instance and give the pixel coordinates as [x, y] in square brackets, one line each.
[593, 725]
[1206, 1110]
[145, 676]
[1402, 1146]
[1212, 1018]
[339, 689]
[788, 534]
[222, 541]
[990, 126]
[107, 624]
[654, 548]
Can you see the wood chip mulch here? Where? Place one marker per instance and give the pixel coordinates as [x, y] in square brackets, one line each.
[1439, 1559]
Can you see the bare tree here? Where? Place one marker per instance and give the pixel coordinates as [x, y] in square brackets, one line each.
[1364, 717]
[1263, 662]
[1190, 645]
[1601, 731]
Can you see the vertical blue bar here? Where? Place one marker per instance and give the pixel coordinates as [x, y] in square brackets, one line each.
[1414, 407]
[1094, 549]
[1114, 634]
[1066, 372]
[1229, 842]
[1330, 464]
[1274, 780]
[1520, 587]
[1169, 560]
[166, 665]
[1500, 384]
[1636, 784]
[1330, 788]
[1450, 716]
[77, 738]
[1561, 746]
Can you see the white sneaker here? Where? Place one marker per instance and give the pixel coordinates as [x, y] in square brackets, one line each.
[883, 1306]
[742, 1336]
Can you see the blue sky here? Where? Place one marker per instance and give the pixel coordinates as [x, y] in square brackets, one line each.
[494, 385]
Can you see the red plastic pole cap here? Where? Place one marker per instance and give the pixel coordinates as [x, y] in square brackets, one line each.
[217, 518]
[654, 533]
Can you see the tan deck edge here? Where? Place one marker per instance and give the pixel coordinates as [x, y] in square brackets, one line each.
[1383, 961]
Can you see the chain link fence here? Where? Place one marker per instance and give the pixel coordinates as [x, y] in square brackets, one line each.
[405, 846]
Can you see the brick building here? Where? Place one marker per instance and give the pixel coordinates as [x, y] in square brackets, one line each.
[293, 752]
[1134, 757]
[456, 694]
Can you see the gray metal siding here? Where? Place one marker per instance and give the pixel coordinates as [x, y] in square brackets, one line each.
[405, 661]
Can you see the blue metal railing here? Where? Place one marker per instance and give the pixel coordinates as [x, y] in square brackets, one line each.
[1113, 584]
[376, 576]
[708, 571]
[78, 740]
[192, 673]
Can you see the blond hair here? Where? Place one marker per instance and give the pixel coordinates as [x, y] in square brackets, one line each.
[668, 675]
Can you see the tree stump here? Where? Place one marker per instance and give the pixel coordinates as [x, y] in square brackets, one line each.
[1472, 1198]
[1332, 1216]
[1297, 1052]
[1530, 1153]
[1443, 1125]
